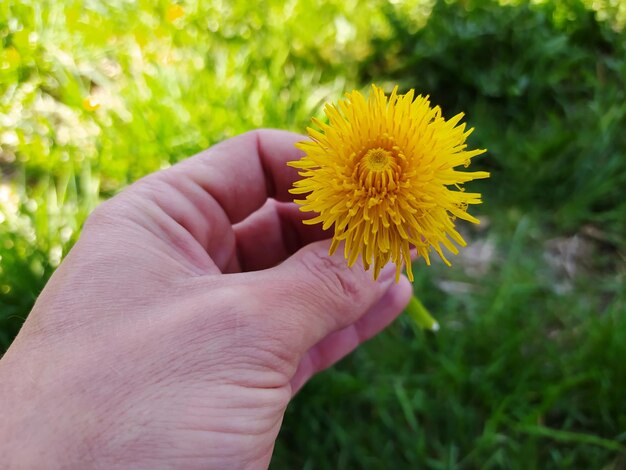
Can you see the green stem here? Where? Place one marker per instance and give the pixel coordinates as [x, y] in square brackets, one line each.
[421, 316]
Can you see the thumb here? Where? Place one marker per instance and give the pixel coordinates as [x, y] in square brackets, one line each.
[314, 294]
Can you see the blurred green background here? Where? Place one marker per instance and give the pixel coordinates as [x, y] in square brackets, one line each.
[529, 368]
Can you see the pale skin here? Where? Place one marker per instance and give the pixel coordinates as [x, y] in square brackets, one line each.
[191, 310]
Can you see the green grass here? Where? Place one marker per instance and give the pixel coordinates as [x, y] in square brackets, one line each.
[528, 369]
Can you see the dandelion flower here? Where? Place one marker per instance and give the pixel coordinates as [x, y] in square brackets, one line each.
[174, 12]
[383, 174]
[90, 103]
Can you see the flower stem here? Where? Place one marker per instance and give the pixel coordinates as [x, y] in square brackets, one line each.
[422, 318]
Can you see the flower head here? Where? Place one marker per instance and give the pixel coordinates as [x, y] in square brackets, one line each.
[382, 173]
[91, 103]
[174, 12]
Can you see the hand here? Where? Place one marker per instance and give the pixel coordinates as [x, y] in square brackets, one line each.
[191, 310]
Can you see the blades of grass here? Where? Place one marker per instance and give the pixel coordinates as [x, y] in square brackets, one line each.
[569, 437]
[405, 404]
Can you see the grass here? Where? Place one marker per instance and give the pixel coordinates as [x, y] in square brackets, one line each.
[527, 370]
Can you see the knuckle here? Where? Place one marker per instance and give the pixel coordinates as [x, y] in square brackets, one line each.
[104, 214]
[122, 208]
[333, 276]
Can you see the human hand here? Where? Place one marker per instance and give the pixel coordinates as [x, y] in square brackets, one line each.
[191, 310]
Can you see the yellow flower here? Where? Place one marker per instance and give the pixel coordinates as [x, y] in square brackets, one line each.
[382, 172]
[91, 103]
[174, 12]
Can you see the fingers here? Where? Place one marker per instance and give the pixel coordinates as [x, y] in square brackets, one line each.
[340, 343]
[242, 172]
[312, 294]
[272, 234]
[194, 204]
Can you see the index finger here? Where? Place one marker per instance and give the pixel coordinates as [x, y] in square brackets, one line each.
[241, 173]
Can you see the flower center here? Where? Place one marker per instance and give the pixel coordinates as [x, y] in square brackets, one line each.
[377, 159]
[377, 172]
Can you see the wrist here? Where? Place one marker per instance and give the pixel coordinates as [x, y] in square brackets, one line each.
[34, 430]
